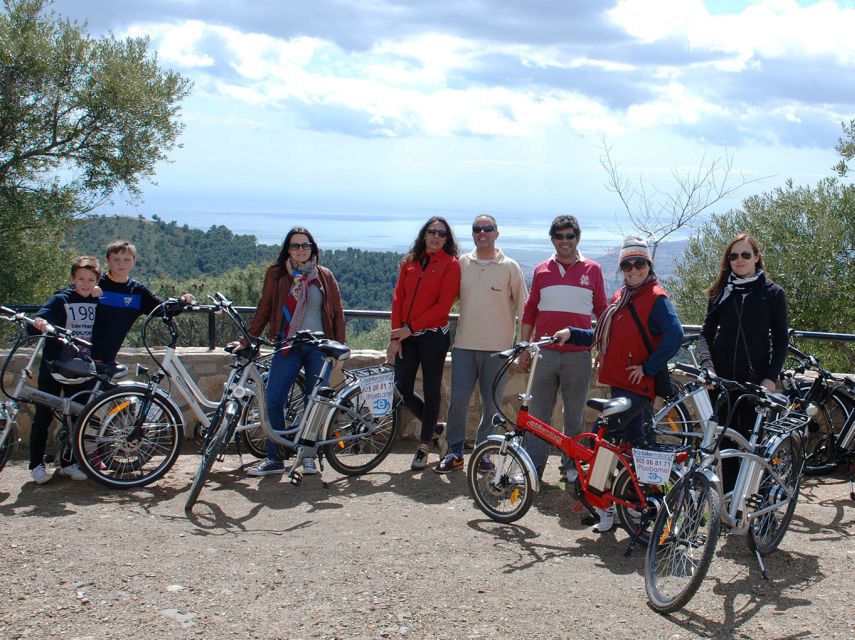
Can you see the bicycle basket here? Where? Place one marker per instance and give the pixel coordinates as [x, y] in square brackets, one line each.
[377, 385]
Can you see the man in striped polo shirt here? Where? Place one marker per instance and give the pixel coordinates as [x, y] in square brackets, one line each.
[566, 290]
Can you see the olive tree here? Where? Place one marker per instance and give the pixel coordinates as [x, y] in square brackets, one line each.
[807, 235]
[81, 119]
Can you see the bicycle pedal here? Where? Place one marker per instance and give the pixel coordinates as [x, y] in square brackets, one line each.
[754, 501]
[297, 479]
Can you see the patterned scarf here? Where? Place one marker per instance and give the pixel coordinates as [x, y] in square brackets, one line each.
[735, 284]
[305, 274]
[604, 324]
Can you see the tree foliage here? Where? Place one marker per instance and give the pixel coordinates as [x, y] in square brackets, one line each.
[846, 148]
[80, 119]
[807, 237]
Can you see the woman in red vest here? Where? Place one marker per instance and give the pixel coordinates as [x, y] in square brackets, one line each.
[427, 286]
[626, 364]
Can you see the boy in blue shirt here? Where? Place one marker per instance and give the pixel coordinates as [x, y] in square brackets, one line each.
[123, 300]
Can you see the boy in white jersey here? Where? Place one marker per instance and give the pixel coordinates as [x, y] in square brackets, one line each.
[73, 309]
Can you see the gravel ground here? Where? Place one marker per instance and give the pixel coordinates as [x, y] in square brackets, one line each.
[393, 554]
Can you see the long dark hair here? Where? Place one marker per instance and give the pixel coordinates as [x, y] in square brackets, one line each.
[724, 268]
[419, 246]
[283, 252]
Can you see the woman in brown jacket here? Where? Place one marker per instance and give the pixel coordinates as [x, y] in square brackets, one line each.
[298, 294]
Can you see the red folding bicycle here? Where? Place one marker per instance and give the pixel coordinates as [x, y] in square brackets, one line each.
[503, 479]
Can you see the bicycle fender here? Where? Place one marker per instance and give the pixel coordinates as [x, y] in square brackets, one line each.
[530, 469]
[713, 478]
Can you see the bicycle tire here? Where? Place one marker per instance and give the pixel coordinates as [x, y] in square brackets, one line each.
[117, 447]
[254, 440]
[624, 489]
[8, 443]
[768, 530]
[216, 439]
[503, 494]
[682, 545]
[358, 456]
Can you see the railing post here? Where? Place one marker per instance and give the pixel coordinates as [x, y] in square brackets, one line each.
[212, 332]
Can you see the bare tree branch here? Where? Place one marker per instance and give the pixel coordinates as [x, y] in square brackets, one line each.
[656, 213]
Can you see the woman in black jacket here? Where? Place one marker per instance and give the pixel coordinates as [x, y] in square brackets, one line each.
[744, 335]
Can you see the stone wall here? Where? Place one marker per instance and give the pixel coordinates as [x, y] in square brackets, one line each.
[209, 369]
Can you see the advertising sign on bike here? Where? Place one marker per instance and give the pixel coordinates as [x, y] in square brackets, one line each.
[652, 467]
[378, 388]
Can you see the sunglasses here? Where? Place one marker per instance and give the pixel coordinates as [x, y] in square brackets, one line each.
[437, 232]
[296, 246]
[745, 255]
[629, 265]
[487, 228]
[564, 236]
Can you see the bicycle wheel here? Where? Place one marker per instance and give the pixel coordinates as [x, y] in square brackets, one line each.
[654, 494]
[820, 441]
[217, 437]
[254, 439]
[676, 419]
[126, 438]
[682, 544]
[500, 487]
[768, 530]
[7, 441]
[360, 455]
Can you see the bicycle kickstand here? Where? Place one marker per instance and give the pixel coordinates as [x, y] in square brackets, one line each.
[852, 480]
[642, 526]
[763, 571]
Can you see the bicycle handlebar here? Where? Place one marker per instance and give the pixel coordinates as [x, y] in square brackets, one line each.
[60, 333]
[524, 345]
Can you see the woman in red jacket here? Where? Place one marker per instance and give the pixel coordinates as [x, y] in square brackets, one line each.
[298, 293]
[626, 364]
[427, 286]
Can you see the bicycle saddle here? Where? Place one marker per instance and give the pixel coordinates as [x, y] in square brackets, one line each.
[334, 350]
[608, 406]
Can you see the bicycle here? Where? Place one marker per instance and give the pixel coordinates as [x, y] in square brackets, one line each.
[337, 426]
[132, 435]
[833, 399]
[502, 478]
[66, 409]
[761, 504]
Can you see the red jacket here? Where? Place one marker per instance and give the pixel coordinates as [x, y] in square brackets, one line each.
[626, 346]
[423, 299]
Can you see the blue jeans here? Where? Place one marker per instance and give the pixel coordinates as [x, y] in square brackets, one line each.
[283, 373]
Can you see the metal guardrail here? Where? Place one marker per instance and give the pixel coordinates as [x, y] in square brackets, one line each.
[363, 314]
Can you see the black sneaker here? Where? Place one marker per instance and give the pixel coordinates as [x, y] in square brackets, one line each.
[449, 463]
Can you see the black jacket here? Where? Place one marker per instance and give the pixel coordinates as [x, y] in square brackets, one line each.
[746, 334]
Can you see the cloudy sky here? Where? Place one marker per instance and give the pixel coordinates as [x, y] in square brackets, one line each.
[459, 106]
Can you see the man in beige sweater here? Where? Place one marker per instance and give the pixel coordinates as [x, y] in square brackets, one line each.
[492, 295]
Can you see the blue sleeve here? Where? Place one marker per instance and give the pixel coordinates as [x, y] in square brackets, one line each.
[53, 311]
[581, 337]
[663, 321]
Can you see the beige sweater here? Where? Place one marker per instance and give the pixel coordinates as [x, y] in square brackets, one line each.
[492, 295]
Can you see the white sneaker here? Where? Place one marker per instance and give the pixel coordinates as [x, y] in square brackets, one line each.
[309, 467]
[607, 520]
[72, 471]
[40, 474]
[571, 475]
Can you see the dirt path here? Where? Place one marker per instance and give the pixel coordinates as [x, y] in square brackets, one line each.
[393, 554]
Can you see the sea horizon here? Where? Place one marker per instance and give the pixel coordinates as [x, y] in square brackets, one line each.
[524, 237]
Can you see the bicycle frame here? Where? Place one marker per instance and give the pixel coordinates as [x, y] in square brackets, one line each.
[571, 446]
